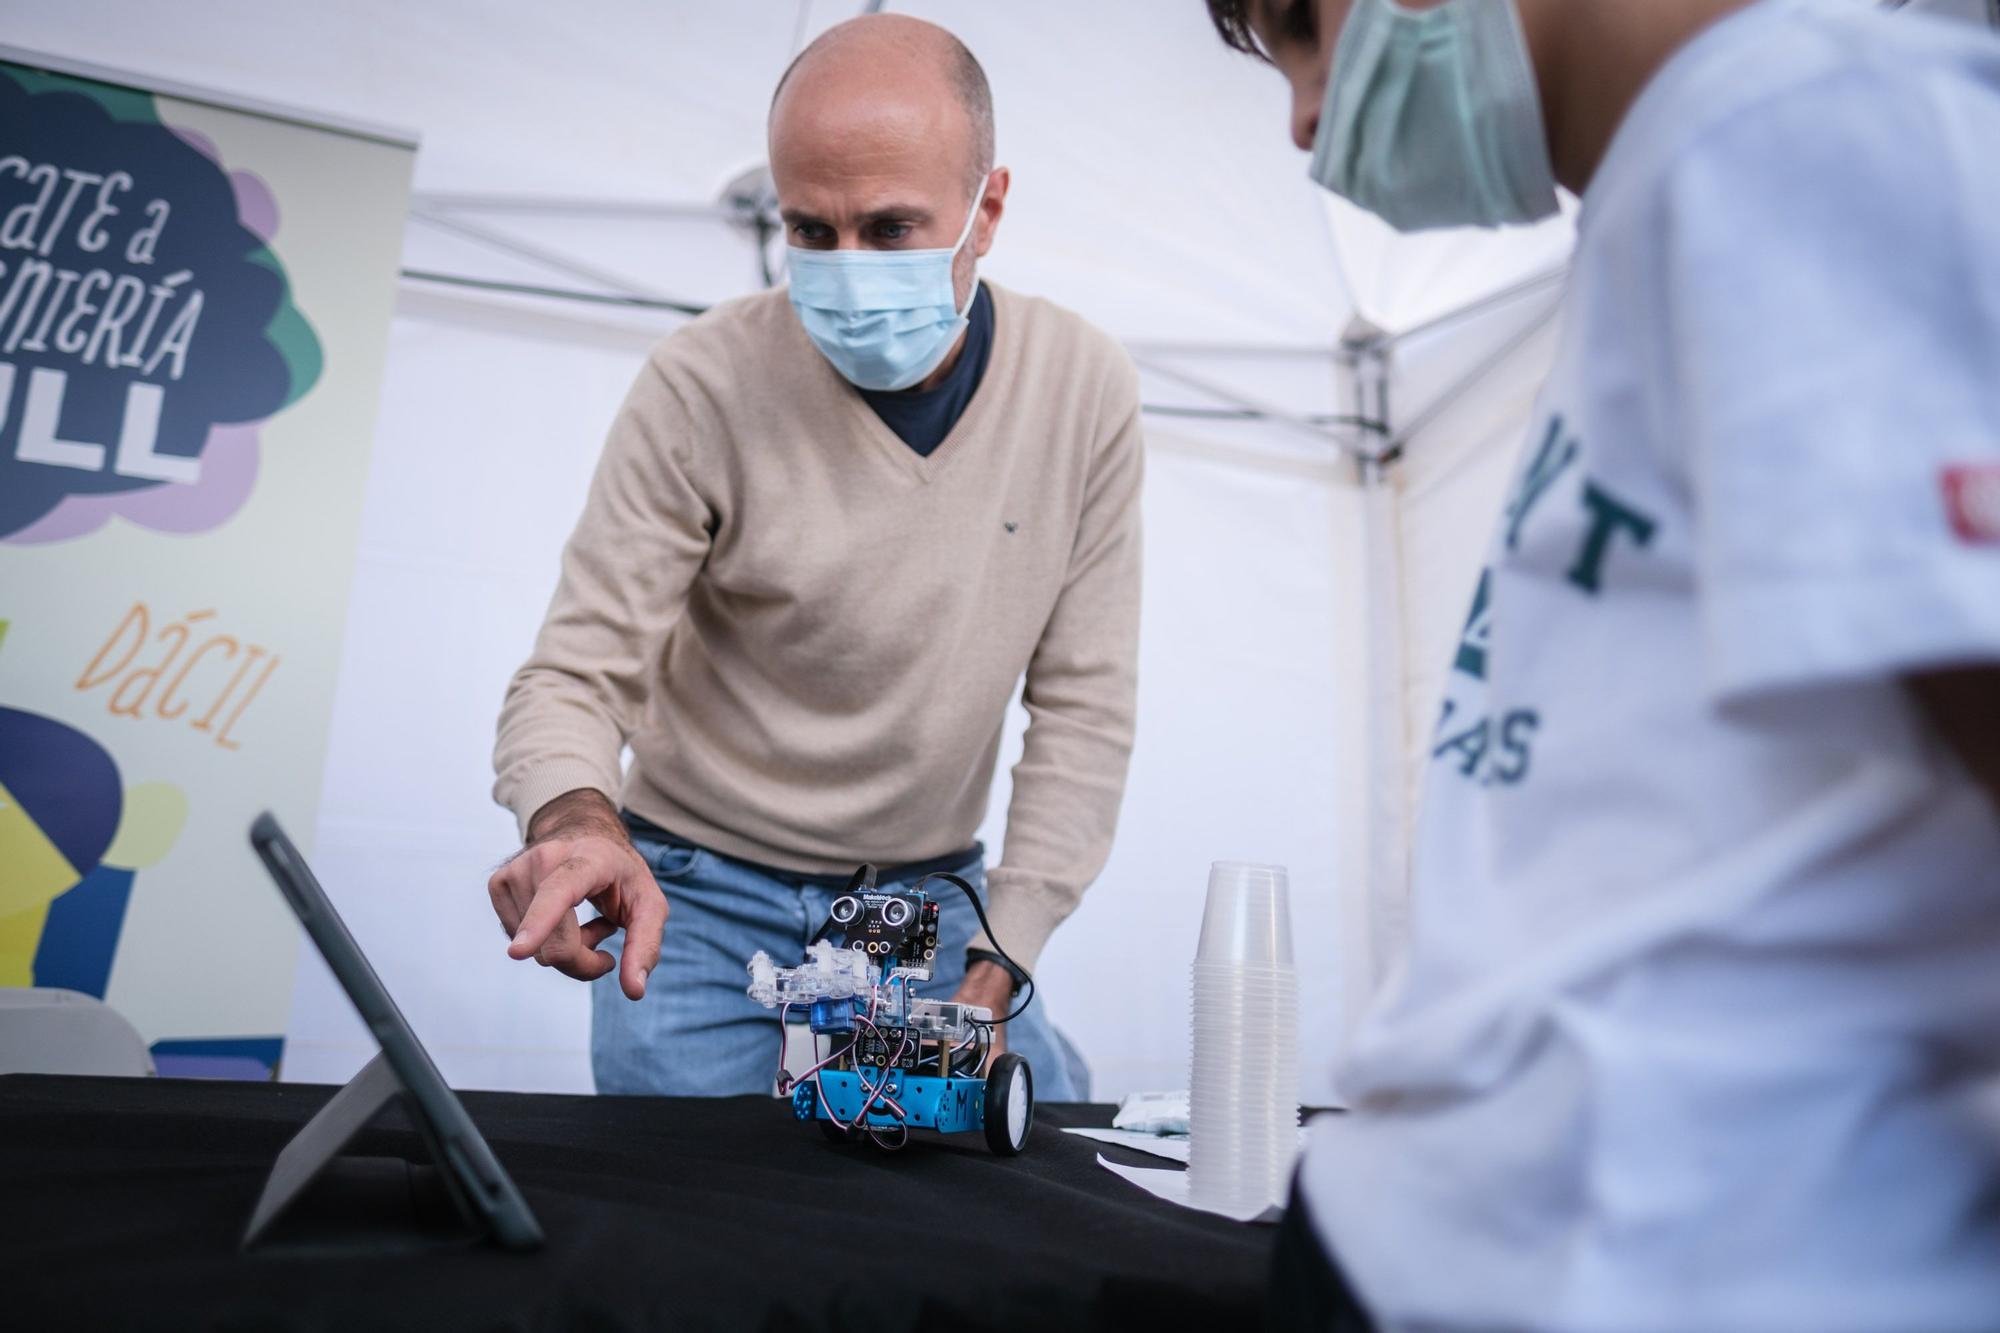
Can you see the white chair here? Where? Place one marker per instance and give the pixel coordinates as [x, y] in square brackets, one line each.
[48, 1031]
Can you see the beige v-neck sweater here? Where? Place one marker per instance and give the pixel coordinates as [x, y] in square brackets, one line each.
[809, 634]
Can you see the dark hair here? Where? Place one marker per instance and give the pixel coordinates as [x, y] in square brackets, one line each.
[1296, 20]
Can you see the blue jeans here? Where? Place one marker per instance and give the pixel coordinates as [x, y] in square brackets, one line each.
[697, 1033]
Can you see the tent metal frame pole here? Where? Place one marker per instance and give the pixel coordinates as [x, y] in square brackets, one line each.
[1553, 279]
[553, 293]
[1340, 439]
[1247, 351]
[556, 205]
[1364, 355]
[441, 211]
[1364, 436]
[1367, 358]
[535, 254]
[1322, 425]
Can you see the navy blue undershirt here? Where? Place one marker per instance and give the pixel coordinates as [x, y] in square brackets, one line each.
[922, 418]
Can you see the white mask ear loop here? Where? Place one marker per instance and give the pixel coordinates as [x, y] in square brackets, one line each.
[966, 235]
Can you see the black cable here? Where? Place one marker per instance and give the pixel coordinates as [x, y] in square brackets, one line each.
[973, 1057]
[979, 910]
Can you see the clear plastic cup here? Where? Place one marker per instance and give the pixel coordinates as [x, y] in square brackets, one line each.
[1281, 1007]
[1234, 992]
[1266, 1099]
[1235, 981]
[1243, 1084]
[1217, 968]
[1248, 918]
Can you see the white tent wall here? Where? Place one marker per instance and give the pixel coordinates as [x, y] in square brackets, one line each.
[1154, 192]
[489, 422]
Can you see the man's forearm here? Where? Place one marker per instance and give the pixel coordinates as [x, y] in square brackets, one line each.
[576, 814]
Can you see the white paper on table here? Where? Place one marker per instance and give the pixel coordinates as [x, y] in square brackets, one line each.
[1172, 1147]
[1153, 1113]
[1173, 1187]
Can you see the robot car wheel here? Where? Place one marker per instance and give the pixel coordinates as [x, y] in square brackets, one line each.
[1010, 1104]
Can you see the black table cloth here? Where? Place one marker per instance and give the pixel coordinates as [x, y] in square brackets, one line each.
[122, 1202]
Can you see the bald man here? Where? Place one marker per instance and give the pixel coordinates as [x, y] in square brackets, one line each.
[832, 530]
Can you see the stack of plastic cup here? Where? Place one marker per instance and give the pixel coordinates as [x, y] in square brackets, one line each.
[1243, 1124]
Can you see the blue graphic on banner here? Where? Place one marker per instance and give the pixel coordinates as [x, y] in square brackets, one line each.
[142, 315]
[73, 837]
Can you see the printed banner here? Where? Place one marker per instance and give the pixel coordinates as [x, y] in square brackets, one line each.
[194, 311]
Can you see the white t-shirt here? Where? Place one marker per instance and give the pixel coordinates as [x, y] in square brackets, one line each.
[1703, 992]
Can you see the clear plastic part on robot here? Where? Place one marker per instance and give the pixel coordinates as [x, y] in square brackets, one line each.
[886, 1061]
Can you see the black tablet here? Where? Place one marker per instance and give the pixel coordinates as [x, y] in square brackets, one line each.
[474, 1176]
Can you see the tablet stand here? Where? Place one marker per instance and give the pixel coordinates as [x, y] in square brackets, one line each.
[318, 1198]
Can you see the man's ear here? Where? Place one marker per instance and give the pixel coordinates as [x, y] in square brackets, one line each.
[990, 209]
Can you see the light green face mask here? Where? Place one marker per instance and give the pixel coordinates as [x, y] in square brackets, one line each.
[1431, 117]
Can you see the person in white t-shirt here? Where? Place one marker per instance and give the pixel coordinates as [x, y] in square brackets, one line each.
[1699, 1022]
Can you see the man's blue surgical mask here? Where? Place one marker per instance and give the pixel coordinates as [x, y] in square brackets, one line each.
[1432, 119]
[884, 318]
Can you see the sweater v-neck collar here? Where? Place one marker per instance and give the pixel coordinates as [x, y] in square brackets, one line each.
[861, 419]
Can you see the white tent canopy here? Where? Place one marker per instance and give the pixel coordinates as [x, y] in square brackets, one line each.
[1300, 599]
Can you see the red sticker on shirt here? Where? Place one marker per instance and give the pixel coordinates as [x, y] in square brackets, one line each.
[1972, 498]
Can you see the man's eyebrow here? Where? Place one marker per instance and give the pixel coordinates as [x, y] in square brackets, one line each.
[912, 213]
[898, 213]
